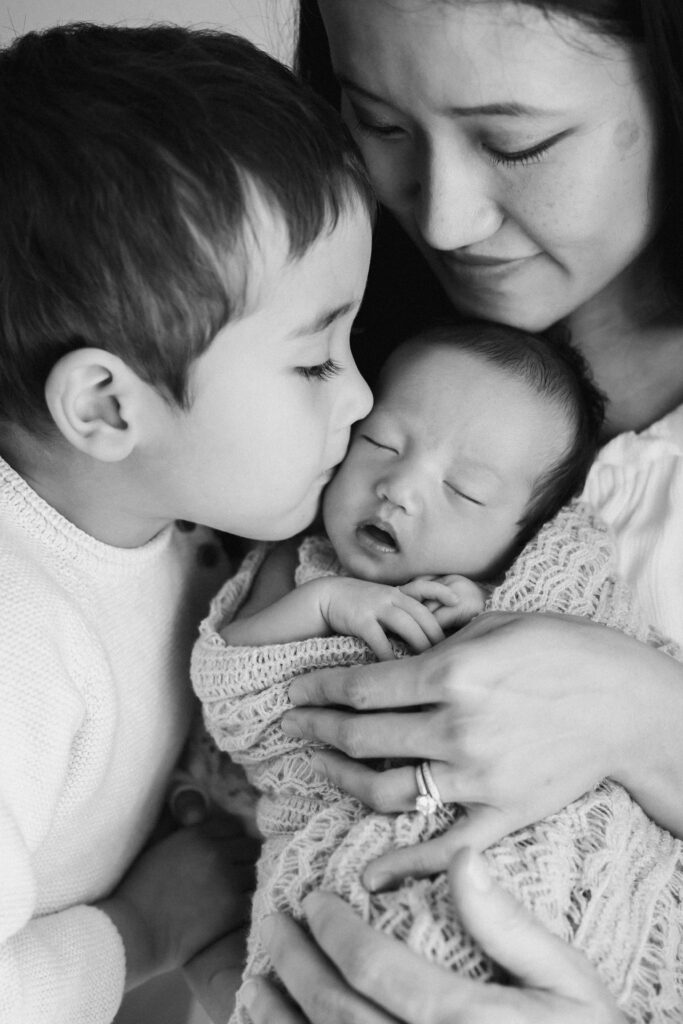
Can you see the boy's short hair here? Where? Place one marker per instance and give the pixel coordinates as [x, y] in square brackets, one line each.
[553, 369]
[128, 157]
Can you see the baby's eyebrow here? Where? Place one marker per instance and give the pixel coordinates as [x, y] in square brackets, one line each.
[324, 320]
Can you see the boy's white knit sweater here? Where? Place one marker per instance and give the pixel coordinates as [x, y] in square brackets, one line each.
[94, 654]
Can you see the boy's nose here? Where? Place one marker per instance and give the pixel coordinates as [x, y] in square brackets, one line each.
[359, 396]
[452, 199]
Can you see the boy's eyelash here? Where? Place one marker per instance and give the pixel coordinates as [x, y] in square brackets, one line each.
[323, 371]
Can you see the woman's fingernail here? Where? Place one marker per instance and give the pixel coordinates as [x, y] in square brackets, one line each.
[477, 873]
[290, 727]
[375, 881]
[294, 691]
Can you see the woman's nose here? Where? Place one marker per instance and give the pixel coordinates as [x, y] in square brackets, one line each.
[452, 198]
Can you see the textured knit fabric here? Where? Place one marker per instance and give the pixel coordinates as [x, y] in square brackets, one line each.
[636, 484]
[599, 873]
[95, 696]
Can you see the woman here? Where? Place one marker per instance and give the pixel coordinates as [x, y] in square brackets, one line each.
[530, 152]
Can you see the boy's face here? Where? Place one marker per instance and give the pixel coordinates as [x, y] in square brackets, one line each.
[439, 474]
[275, 394]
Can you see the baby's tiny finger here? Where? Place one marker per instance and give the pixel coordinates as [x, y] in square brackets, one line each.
[189, 805]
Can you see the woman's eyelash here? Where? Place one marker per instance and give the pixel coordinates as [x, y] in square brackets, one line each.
[323, 371]
[379, 130]
[523, 157]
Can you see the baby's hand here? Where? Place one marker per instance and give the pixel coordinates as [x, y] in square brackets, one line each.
[371, 610]
[453, 600]
[182, 894]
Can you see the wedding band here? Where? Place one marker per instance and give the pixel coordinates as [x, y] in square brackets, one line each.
[428, 798]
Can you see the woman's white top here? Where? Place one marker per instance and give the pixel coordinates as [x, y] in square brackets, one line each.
[636, 483]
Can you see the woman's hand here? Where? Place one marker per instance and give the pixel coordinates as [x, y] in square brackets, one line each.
[519, 715]
[352, 974]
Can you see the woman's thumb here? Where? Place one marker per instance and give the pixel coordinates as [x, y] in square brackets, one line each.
[511, 936]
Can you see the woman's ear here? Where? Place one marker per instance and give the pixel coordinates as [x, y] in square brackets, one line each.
[93, 396]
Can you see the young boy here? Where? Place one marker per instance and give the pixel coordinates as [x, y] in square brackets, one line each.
[479, 435]
[178, 281]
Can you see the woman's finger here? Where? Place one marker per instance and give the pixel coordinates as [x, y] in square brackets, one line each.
[516, 940]
[387, 791]
[312, 980]
[478, 828]
[384, 734]
[400, 684]
[387, 972]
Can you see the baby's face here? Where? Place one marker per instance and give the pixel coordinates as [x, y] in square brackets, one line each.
[438, 476]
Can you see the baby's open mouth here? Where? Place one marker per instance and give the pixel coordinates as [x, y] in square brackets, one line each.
[375, 535]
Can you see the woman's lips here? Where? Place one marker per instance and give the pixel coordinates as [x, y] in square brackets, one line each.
[474, 265]
[377, 537]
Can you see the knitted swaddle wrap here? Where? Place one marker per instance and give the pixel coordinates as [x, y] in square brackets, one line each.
[598, 873]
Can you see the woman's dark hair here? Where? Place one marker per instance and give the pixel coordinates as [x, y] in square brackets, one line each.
[655, 25]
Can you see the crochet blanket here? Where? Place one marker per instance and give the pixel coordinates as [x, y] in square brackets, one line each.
[599, 873]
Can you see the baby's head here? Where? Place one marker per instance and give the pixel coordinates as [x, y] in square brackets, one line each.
[157, 185]
[479, 434]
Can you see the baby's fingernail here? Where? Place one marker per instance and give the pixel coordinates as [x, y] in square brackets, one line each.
[266, 928]
[290, 727]
[248, 993]
[318, 766]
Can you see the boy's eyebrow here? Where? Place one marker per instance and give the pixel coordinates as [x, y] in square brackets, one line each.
[324, 320]
[509, 109]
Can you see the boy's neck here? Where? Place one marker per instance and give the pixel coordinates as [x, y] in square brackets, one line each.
[97, 497]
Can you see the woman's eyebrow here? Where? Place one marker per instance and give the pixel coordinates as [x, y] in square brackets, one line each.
[507, 109]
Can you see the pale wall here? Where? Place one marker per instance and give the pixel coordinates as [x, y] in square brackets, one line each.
[267, 22]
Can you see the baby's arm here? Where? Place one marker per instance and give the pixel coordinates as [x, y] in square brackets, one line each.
[331, 604]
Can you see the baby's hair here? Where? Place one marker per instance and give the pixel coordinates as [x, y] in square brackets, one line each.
[129, 162]
[553, 369]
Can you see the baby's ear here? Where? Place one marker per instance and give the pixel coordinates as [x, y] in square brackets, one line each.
[92, 396]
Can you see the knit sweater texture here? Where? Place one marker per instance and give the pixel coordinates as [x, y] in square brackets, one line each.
[94, 676]
[599, 873]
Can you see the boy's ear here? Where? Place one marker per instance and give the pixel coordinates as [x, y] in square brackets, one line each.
[92, 396]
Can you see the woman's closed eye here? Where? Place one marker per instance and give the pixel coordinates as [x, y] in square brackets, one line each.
[523, 157]
[321, 371]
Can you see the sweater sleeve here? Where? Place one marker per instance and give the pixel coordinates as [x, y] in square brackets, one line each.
[62, 966]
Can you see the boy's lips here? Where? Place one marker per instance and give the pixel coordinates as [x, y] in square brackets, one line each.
[377, 536]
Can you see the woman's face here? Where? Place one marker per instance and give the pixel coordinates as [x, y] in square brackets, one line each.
[516, 150]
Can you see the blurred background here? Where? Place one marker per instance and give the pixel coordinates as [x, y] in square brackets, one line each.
[267, 22]
[270, 24]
